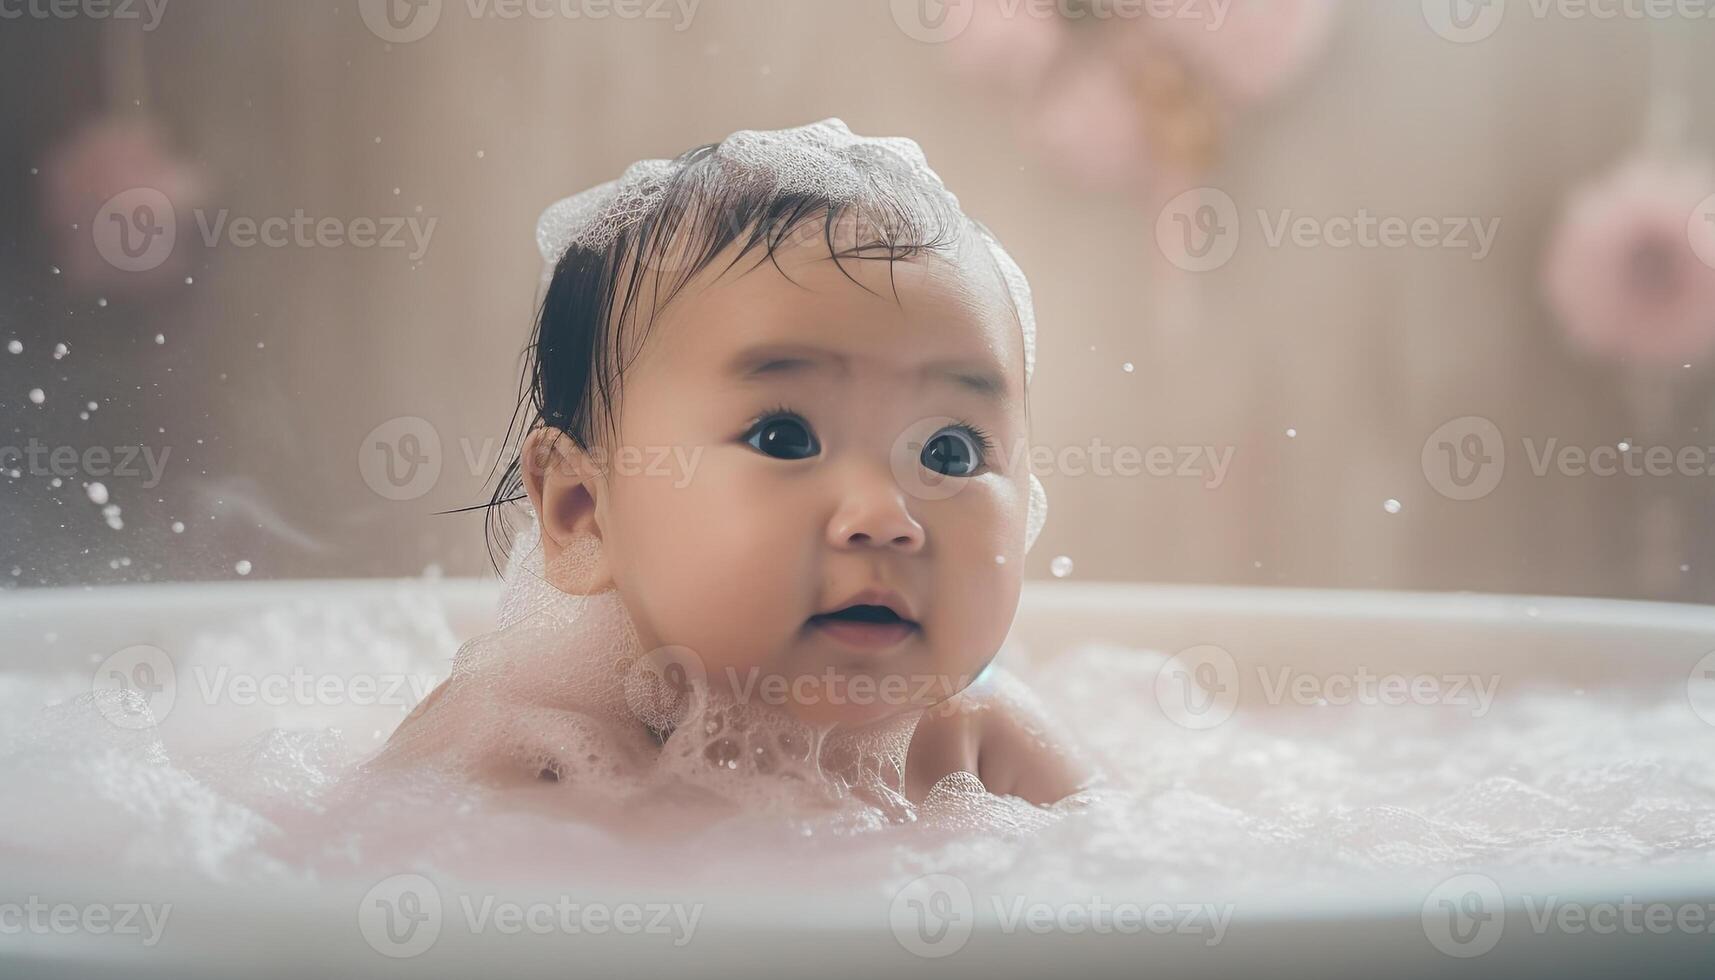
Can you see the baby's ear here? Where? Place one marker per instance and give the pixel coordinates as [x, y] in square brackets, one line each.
[563, 483]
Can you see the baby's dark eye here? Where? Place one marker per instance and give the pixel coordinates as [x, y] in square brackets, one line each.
[783, 437]
[955, 451]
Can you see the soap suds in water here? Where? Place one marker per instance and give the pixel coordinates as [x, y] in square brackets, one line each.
[570, 782]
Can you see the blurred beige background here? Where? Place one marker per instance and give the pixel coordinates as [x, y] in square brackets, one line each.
[277, 362]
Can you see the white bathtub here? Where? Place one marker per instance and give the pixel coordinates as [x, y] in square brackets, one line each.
[1610, 648]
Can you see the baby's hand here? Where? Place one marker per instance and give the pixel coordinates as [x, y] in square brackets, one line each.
[997, 730]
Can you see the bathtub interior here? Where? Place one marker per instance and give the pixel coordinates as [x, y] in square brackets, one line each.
[1618, 652]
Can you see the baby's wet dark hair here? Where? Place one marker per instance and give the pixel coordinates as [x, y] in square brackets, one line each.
[602, 298]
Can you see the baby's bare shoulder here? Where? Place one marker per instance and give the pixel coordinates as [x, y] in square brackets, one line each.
[999, 731]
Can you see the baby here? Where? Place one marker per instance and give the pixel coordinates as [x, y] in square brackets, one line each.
[771, 426]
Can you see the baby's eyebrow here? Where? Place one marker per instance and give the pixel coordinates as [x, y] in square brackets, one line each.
[774, 360]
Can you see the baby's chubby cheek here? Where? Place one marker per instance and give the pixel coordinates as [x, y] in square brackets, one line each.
[705, 563]
[975, 597]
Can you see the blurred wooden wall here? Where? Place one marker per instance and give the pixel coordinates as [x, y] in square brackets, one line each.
[282, 360]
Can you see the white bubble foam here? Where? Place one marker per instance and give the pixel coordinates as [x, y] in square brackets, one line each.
[566, 779]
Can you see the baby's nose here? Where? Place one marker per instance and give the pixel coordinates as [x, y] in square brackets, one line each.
[875, 515]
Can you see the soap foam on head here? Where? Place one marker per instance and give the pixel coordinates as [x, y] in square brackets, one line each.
[823, 160]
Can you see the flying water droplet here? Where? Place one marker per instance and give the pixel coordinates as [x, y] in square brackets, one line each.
[1061, 566]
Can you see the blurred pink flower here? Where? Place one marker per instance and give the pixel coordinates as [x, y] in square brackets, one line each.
[1255, 48]
[1005, 45]
[112, 166]
[1623, 273]
[1119, 94]
[1089, 122]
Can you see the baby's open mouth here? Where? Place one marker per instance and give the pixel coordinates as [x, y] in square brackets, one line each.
[865, 625]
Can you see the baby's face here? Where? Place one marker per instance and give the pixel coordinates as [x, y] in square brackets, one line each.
[798, 445]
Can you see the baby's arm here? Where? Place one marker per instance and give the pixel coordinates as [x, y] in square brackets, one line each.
[997, 730]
